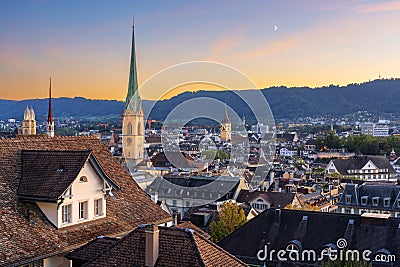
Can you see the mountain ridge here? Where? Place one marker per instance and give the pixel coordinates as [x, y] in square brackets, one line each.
[379, 97]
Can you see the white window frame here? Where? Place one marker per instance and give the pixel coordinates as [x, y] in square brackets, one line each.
[83, 207]
[98, 209]
[364, 200]
[66, 213]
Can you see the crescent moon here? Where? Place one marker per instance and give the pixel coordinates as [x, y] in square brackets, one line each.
[275, 28]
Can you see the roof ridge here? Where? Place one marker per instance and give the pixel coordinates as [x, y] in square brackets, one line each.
[216, 246]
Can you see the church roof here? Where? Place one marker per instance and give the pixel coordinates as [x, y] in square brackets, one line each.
[25, 232]
[133, 101]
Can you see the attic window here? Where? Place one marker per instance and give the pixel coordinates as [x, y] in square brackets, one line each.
[375, 201]
[83, 179]
[364, 200]
[348, 199]
[386, 201]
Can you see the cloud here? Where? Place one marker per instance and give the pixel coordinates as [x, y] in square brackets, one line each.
[226, 43]
[383, 6]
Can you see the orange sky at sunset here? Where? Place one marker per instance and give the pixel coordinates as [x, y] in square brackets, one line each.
[86, 48]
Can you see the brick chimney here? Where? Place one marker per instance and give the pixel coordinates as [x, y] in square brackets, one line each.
[152, 245]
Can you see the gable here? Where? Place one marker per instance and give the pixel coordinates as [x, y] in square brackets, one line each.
[130, 207]
[369, 166]
[46, 175]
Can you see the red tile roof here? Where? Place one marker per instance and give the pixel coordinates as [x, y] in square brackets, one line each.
[24, 240]
[177, 247]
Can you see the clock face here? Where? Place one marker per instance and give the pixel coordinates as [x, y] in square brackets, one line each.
[128, 141]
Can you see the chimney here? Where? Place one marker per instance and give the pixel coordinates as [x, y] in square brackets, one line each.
[174, 218]
[152, 242]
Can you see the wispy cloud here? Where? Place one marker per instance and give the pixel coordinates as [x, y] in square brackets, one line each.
[226, 43]
[382, 6]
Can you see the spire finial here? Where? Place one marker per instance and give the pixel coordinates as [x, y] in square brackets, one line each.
[50, 121]
[133, 22]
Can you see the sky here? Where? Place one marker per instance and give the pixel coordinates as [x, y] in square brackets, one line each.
[85, 45]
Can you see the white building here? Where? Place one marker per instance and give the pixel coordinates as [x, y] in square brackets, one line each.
[375, 129]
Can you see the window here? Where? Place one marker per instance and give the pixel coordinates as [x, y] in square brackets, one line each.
[364, 200]
[66, 213]
[174, 202]
[98, 207]
[375, 201]
[347, 199]
[386, 201]
[83, 179]
[398, 203]
[83, 208]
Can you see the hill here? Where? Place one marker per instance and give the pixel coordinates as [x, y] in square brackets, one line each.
[378, 97]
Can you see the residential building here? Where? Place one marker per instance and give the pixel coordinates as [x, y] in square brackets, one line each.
[299, 232]
[366, 168]
[62, 192]
[181, 192]
[370, 198]
[263, 200]
[375, 129]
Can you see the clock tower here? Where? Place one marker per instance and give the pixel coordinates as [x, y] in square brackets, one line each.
[225, 130]
[132, 118]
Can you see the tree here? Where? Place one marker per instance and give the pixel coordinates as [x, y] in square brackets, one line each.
[229, 219]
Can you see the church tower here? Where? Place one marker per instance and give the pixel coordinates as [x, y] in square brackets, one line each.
[29, 122]
[133, 122]
[50, 121]
[225, 131]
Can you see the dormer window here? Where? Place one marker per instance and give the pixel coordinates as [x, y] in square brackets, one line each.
[83, 179]
[364, 200]
[398, 203]
[375, 201]
[347, 199]
[386, 201]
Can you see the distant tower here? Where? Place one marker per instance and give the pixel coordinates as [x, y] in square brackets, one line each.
[50, 121]
[133, 123]
[225, 132]
[29, 122]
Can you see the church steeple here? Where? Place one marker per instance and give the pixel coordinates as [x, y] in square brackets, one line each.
[133, 121]
[133, 101]
[50, 121]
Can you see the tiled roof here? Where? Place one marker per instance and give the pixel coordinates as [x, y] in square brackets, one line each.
[177, 247]
[93, 249]
[47, 174]
[356, 163]
[27, 240]
[277, 199]
[383, 191]
[189, 225]
[277, 228]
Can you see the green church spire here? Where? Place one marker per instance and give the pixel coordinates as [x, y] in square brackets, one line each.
[133, 101]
